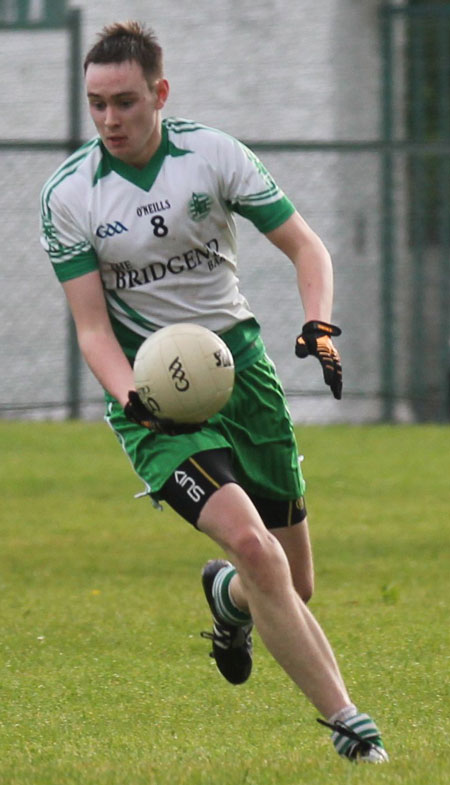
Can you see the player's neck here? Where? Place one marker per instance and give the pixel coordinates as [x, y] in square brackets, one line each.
[150, 149]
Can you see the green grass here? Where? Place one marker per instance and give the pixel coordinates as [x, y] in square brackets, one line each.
[104, 678]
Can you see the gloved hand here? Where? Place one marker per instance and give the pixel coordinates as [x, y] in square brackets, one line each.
[315, 339]
[136, 412]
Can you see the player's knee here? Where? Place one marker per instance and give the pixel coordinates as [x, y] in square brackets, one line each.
[246, 545]
[260, 559]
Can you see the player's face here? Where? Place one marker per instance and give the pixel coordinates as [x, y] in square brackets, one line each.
[126, 109]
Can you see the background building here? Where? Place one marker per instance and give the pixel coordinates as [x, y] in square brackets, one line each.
[326, 93]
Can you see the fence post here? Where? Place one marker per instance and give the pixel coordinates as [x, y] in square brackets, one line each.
[444, 228]
[73, 394]
[387, 225]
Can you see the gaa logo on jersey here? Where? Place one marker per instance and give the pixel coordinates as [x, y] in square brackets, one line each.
[110, 229]
[199, 206]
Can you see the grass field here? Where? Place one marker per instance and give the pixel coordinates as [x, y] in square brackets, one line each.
[104, 677]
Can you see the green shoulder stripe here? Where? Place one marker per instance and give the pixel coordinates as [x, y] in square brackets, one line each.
[180, 126]
[68, 167]
[262, 196]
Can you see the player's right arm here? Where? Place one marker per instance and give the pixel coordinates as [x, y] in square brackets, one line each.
[65, 236]
[98, 344]
[103, 353]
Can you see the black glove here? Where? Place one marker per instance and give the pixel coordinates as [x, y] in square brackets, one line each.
[315, 339]
[136, 412]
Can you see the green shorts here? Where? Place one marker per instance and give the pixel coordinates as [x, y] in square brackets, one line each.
[255, 426]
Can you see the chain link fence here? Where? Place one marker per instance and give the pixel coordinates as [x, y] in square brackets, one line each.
[343, 149]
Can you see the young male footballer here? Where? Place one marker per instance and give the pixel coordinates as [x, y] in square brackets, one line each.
[138, 224]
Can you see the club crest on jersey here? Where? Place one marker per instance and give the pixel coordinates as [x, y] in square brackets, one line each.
[199, 206]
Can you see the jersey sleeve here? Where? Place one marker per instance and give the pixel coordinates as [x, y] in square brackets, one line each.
[251, 191]
[64, 240]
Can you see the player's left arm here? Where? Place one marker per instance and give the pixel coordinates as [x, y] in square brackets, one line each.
[312, 263]
[314, 270]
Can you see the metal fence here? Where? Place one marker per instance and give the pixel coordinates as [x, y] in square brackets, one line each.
[382, 206]
[416, 220]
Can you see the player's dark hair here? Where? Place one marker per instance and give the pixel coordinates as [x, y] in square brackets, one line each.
[128, 41]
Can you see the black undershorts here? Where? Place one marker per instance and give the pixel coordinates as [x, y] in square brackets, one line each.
[190, 486]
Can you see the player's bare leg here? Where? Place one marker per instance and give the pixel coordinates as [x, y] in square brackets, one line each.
[264, 586]
[297, 546]
[286, 626]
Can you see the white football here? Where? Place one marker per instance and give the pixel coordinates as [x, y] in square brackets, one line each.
[184, 372]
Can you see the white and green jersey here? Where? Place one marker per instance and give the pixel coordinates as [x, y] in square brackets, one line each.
[163, 237]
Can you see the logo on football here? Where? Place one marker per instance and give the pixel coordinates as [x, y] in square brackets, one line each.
[184, 372]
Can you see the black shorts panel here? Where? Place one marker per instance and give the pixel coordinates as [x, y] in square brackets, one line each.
[278, 513]
[190, 486]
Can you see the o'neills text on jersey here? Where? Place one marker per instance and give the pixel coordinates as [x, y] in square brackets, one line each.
[153, 207]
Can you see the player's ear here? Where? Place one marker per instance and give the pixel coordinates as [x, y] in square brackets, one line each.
[162, 93]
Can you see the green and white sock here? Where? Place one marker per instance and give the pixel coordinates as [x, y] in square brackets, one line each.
[227, 610]
[344, 714]
[366, 729]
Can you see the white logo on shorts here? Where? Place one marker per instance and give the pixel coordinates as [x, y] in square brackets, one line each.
[194, 491]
